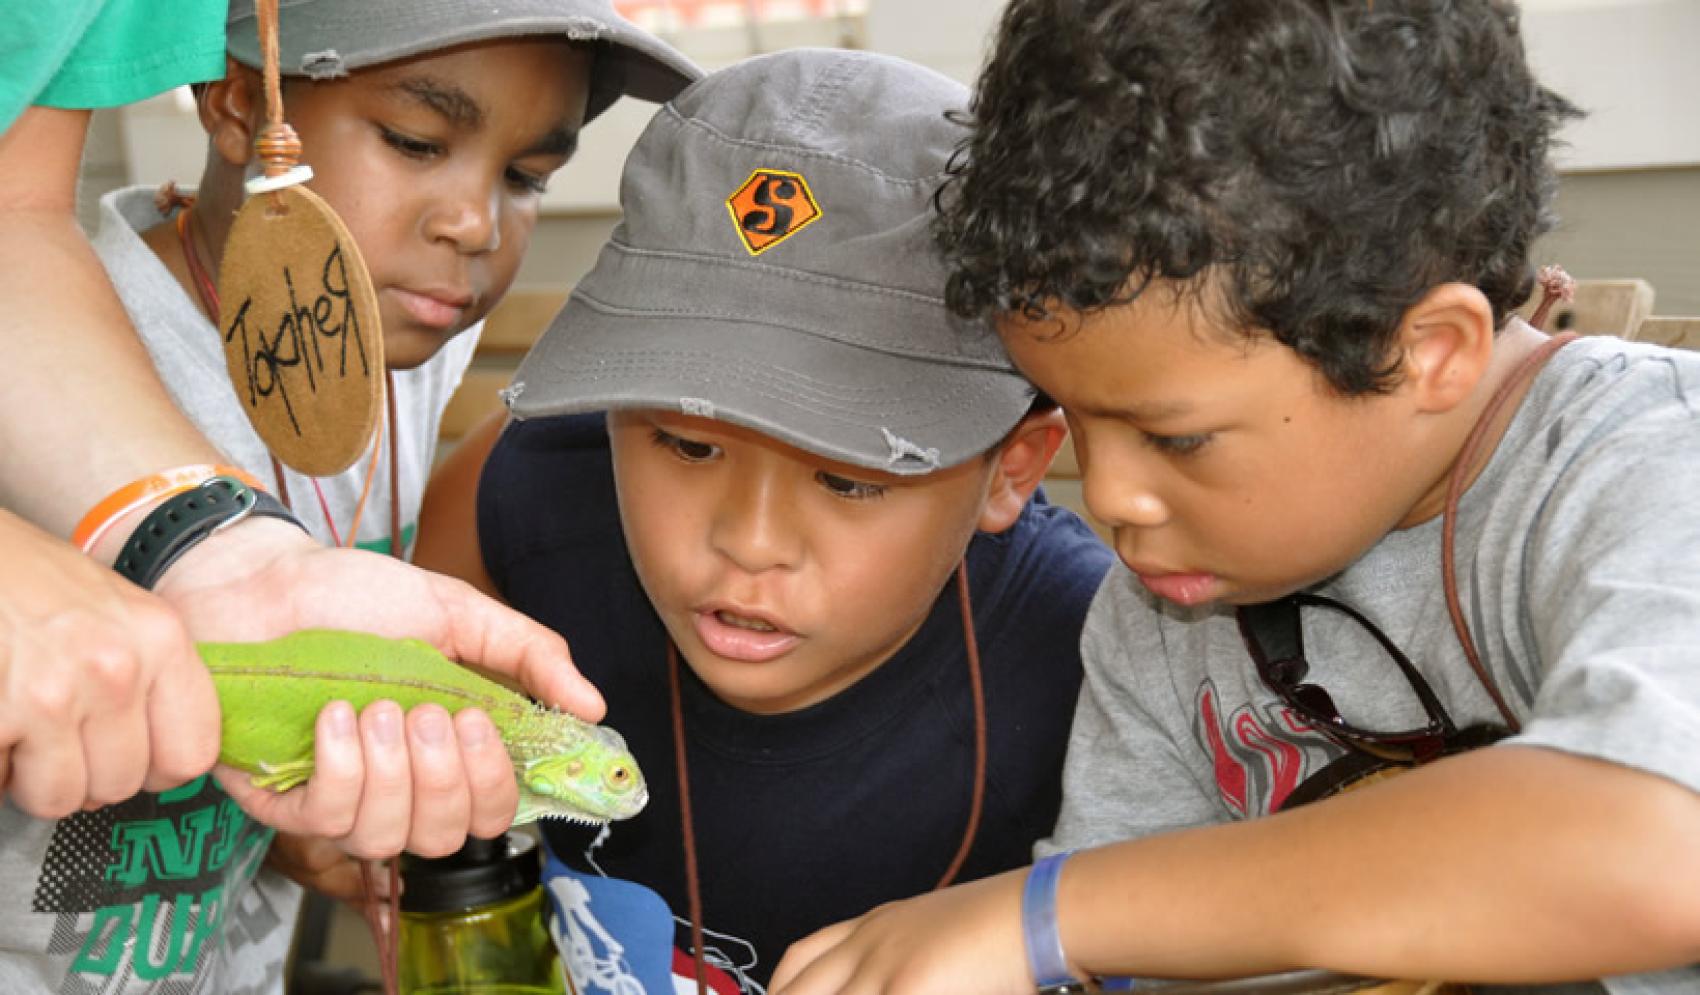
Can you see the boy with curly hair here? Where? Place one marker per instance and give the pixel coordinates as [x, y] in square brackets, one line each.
[1266, 258]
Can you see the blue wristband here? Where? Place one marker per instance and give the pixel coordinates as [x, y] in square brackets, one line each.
[1045, 956]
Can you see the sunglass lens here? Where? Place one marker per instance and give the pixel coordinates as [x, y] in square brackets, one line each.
[1313, 699]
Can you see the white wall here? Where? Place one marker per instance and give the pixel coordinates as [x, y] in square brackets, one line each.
[948, 35]
[1631, 65]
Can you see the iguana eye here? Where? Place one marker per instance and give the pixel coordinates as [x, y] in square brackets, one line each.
[619, 777]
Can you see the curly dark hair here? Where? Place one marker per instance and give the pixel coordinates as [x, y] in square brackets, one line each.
[1323, 163]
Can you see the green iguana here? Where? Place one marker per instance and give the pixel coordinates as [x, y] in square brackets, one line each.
[271, 693]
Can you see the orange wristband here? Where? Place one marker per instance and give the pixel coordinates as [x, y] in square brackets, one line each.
[139, 492]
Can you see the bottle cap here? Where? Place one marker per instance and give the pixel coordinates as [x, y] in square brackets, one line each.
[483, 872]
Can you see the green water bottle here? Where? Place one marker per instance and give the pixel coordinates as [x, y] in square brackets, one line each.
[472, 923]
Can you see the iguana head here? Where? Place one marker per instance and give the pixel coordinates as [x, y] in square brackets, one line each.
[593, 781]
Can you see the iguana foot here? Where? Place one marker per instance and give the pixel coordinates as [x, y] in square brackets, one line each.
[283, 776]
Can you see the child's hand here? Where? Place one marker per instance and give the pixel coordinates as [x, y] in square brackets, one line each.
[384, 782]
[963, 939]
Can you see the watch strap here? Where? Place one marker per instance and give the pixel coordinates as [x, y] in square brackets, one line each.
[186, 518]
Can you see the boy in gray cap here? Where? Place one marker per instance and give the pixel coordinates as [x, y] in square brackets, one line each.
[755, 441]
[431, 129]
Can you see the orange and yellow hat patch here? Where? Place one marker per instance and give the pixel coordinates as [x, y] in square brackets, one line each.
[771, 206]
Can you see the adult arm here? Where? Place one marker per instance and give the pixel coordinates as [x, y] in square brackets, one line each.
[83, 412]
[101, 693]
[382, 781]
[448, 544]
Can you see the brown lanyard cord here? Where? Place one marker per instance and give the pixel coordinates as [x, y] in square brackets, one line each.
[278, 146]
[1525, 371]
[977, 688]
[693, 887]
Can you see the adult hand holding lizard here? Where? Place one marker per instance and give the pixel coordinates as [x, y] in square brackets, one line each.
[101, 693]
[139, 707]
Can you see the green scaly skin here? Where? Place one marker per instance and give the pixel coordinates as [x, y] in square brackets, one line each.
[272, 692]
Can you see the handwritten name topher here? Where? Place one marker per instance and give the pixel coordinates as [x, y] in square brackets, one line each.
[306, 345]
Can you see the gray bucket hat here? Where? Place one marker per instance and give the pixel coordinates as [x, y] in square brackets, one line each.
[329, 38]
[774, 268]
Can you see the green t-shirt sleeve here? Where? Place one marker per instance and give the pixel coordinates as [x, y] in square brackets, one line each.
[104, 53]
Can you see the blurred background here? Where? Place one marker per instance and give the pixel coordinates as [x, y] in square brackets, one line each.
[1629, 200]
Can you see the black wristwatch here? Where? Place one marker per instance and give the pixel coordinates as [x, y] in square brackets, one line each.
[184, 519]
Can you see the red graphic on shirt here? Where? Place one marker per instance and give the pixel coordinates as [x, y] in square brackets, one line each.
[1284, 761]
[1259, 755]
[1230, 773]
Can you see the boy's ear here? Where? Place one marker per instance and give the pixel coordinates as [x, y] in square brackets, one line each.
[229, 111]
[1019, 466]
[1446, 339]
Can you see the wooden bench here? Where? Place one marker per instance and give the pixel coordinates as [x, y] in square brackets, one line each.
[1600, 307]
[1669, 330]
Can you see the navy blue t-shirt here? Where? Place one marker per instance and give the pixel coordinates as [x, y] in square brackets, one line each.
[801, 819]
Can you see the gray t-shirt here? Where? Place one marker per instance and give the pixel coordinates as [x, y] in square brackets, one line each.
[1579, 573]
[157, 895]
[164, 894]
[187, 352]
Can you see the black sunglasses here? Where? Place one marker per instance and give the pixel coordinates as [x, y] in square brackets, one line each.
[1274, 637]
